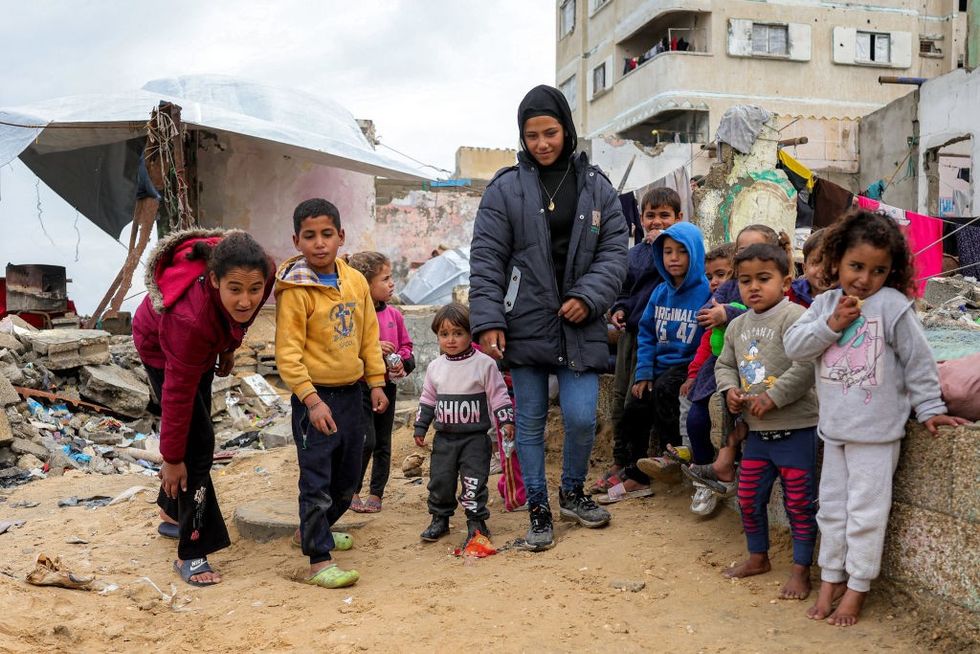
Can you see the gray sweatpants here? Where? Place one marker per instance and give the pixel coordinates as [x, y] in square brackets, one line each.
[855, 499]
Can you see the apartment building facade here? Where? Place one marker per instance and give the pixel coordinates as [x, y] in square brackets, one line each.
[656, 70]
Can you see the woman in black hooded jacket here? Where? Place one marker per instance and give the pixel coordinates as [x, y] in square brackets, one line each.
[547, 260]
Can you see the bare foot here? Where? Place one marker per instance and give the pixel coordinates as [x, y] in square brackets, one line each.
[166, 518]
[724, 472]
[205, 577]
[848, 610]
[797, 587]
[829, 593]
[632, 485]
[756, 564]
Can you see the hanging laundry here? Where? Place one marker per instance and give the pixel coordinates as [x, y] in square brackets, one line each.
[876, 190]
[830, 203]
[632, 215]
[924, 233]
[799, 175]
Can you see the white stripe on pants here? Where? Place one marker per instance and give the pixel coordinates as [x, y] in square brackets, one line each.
[855, 499]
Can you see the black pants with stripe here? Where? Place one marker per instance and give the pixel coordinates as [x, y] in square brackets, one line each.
[463, 458]
[196, 510]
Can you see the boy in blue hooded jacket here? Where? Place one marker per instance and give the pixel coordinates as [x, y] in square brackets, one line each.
[667, 341]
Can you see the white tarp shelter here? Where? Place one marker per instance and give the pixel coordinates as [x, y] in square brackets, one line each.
[87, 147]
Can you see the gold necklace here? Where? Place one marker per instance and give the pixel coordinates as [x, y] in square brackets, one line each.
[551, 196]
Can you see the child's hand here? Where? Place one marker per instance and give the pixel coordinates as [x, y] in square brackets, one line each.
[734, 399]
[379, 401]
[713, 316]
[322, 418]
[686, 387]
[507, 431]
[933, 423]
[847, 311]
[398, 371]
[618, 319]
[574, 310]
[420, 441]
[639, 388]
[760, 405]
[387, 347]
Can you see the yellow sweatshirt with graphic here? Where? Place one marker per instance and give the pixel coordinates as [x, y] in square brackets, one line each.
[324, 335]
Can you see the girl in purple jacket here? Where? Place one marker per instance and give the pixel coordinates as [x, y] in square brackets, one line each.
[396, 346]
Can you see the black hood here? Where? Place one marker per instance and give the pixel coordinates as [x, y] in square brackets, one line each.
[548, 101]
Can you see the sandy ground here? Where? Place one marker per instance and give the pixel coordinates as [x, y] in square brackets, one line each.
[412, 596]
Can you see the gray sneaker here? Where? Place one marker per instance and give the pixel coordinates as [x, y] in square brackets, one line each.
[578, 506]
[541, 535]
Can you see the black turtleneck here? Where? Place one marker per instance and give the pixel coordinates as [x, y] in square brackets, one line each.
[562, 219]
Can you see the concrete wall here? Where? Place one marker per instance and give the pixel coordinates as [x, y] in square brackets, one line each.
[884, 147]
[246, 185]
[411, 223]
[947, 111]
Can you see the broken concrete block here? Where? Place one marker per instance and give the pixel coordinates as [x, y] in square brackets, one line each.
[279, 434]
[257, 386]
[8, 395]
[70, 348]
[12, 372]
[24, 446]
[116, 388]
[29, 462]
[6, 433]
[940, 290]
[10, 342]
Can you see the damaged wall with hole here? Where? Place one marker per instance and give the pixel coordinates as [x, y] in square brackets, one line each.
[947, 113]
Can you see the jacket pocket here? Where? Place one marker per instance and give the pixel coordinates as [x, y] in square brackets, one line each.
[513, 288]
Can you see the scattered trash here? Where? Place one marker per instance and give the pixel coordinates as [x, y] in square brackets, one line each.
[412, 465]
[241, 441]
[91, 502]
[7, 525]
[129, 494]
[51, 572]
[76, 540]
[477, 547]
[259, 470]
[24, 504]
[348, 601]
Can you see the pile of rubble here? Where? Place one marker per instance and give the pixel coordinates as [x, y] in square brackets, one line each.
[80, 399]
[952, 303]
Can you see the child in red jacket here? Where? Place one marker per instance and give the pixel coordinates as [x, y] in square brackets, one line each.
[204, 288]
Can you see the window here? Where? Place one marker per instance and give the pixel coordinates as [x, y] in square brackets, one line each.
[770, 39]
[569, 89]
[599, 79]
[596, 5]
[566, 18]
[873, 46]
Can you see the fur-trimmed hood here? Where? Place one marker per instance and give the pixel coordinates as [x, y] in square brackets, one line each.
[169, 273]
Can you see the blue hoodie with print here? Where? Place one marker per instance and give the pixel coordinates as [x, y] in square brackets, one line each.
[669, 331]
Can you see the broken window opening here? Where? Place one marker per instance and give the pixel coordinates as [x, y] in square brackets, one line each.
[873, 47]
[566, 19]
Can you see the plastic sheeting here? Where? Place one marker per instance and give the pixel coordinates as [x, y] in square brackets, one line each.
[83, 146]
[433, 283]
[740, 126]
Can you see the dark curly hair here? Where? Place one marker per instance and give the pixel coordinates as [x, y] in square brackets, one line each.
[877, 231]
[368, 263]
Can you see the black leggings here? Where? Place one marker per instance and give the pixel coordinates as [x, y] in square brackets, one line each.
[660, 410]
[196, 510]
[377, 440]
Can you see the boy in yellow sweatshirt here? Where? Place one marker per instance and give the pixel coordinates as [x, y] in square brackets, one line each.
[326, 341]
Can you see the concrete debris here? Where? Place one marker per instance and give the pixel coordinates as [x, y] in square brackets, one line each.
[61, 349]
[952, 303]
[116, 388]
[81, 405]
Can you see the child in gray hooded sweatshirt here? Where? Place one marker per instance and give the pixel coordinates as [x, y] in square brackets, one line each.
[873, 367]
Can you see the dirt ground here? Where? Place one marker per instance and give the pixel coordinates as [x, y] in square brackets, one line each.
[412, 596]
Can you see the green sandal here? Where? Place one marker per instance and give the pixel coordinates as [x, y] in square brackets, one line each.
[333, 577]
[342, 541]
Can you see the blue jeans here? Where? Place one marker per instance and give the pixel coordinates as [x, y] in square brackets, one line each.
[578, 393]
